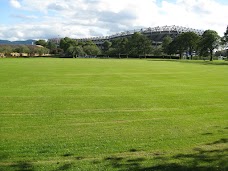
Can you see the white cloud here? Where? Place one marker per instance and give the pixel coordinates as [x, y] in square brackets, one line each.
[24, 17]
[15, 3]
[84, 18]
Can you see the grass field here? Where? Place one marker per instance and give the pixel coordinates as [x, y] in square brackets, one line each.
[110, 114]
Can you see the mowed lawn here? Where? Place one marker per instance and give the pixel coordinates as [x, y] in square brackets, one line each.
[113, 114]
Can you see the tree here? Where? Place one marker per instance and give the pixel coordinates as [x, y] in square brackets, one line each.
[225, 41]
[165, 44]
[177, 46]
[6, 49]
[157, 51]
[81, 44]
[33, 50]
[66, 42]
[111, 52]
[203, 51]
[106, 46]
[79, 51]
[91, 49]
[120, 46]
[42, 43]
[52, 47]
[75, 51]
[125, 46]
[185, 42]
[116, 46]
[209, 41]
[42, 50]
[190, 41]
[139, 44]
[22, 49]
[225, 37]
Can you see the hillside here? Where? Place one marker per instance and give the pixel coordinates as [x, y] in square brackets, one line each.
[25, 42]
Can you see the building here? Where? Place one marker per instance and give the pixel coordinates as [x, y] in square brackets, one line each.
[155, 34]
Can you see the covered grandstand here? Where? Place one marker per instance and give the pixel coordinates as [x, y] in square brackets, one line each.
[155, 34]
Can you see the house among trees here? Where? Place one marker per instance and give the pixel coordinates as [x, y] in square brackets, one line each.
[23, 50]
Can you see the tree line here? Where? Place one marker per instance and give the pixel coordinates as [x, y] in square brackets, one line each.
[136, 45]
[139, 45]
[188, 43]
[71, 48]
[26, 49]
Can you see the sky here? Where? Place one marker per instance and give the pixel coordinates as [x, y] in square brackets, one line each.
[44, 19]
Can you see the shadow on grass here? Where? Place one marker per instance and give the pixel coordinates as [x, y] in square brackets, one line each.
[208, 133]
[26, 166]
[222, 140]
[205, 62]
[23, 166]
[3, 156]
[199, 160]
[200, 62]
[64, 167]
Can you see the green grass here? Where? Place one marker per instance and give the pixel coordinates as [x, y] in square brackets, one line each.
[109, 114]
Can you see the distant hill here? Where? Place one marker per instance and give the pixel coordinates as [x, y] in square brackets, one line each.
[26, 42]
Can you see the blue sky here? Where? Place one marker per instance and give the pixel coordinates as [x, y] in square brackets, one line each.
[43, 19]
[11, 15]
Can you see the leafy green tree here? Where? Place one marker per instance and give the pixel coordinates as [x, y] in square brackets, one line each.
[66, 42]
[225, 41]
[106, 46]
[32, 50]
[6, 49]
[41, 51]
[125, 46]
[185, 42]
[89, 42]
[52, 47]
[22, 49]
[157, 51]
[91, 50]
[165, 44]
[139, 44]
[209, 41]
[111, 51]
[79, 51]
[177, 46]
[42, 43]
[120, 46]
[75, 51]
[38, 50]
[203, 51]
[172, 48]
[81, 44]
[116, 46]
[190, 41]
[225, 37]
[136, 45]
